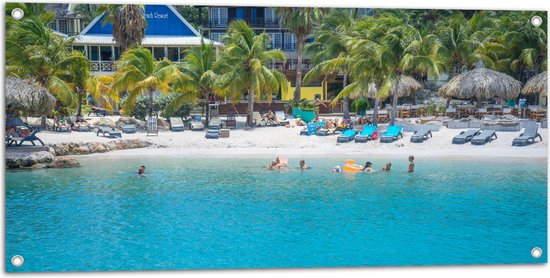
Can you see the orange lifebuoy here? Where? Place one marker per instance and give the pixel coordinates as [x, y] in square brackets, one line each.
[350, 166]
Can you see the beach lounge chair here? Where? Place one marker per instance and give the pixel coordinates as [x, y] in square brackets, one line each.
[346, 136]
[257, 119]
[366, 134]
[528, 136]
[176, 124]
[465, 136]
[230, 121]
[280, 115]
[212, 134]
[196, 124]
[111, 132]
[421, 134]
[326, 131]
[392, 133]
[484, 137]
[18, 141]
[215, 123]
[83, 128]
[129, 128]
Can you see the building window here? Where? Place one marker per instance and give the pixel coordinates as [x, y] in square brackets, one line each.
[217, 36]
[218, 16]
[158, 53]
[62, 24]
[271, 19]
[290, 41]
[276, 41]
[93, 52]
[173, 54]
[106, 53]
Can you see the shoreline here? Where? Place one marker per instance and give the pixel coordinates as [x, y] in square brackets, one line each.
[243, 153]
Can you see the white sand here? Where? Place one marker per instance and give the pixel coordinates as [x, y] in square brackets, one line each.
[282, 141]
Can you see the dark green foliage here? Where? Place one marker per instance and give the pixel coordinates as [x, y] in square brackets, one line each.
[160, 103]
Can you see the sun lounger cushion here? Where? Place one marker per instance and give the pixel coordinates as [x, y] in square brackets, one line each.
[111, 132]
[392, 133]
[196, 126]
[212, 134]
[176, 124]
[347, 136]
[366, 134]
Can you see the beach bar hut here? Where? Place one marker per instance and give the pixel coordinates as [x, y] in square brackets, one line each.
[481, 83]
[25, 95]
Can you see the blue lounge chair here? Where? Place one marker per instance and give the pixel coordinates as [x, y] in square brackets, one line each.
[392, 133]
[484, 137]
[366, 134]
[528, 136]
[465, 136]
[421, 134]
[18, 141]
[347, 136]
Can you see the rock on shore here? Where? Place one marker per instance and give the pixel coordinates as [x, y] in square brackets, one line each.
[28, 159]
[97, 147]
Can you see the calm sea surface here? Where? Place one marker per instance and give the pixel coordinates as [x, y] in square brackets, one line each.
[232, 213]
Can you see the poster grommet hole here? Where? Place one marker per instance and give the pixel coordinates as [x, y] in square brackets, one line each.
[17, 260]
[536, 21]
[536, 252]
[17, 13]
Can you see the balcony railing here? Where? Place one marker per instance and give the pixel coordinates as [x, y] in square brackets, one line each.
[103, 66]
[253, 22]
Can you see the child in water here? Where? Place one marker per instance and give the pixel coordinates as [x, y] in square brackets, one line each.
[303, 165]
[141, 171]
[387, 167]
[368, 167]
[411, 164]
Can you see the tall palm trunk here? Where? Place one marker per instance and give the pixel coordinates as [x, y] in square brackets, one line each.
[150, 103]
[346, 99]
[250, 108]
[299, 48]
[80, 97]
[207, 109]
[375, 112]
[394, 101]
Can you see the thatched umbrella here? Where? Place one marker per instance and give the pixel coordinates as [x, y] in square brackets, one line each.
[481, 83]
[537, 85]
[26, 96]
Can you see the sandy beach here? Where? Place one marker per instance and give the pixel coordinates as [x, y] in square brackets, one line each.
[283, 141]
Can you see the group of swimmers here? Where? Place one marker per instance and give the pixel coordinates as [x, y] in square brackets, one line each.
[279, 163]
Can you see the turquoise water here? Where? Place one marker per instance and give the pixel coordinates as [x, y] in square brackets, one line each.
[231, 213]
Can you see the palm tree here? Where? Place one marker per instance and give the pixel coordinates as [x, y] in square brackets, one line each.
[138, 73]
[198, 77]
[100, 88]
[87, 11]
[77, 74]
[300, 21]
[34, 51]
[128, 23]
[329, 51]
[244, 64]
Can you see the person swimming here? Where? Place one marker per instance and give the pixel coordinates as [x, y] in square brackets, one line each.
[387, 167]
[368, 167]
[337, 169]
[303, 165]
[141, 171]
[277, 163]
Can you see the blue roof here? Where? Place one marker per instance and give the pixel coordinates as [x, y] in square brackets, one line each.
[162, 20]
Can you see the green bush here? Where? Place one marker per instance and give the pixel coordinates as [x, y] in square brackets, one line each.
[160, 104]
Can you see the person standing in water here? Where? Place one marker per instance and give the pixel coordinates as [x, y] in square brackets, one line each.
[411, 164]
[368, 167]
[387, 167]
[141, 171]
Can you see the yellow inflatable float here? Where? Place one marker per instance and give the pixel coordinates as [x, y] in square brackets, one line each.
[350, 166]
